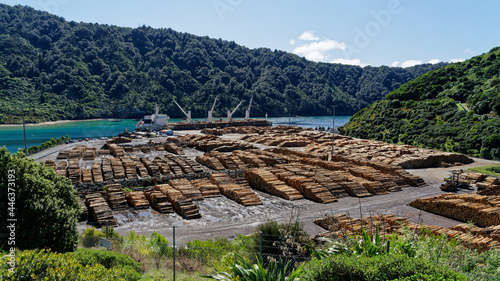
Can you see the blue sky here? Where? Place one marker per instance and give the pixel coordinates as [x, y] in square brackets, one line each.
[385, 32]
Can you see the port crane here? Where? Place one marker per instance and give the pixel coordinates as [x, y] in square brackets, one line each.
[188, 114]
[230, 114]
[247, 112]
[210, 113]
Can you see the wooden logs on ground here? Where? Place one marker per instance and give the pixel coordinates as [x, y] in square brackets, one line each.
[250, 159]
[137, 199]
[235, 191]
[89, 154]
[184, 207]
[188, 190]
[129, 167]
[107, 170]
[478, 209]
[61, 169]
[104, 152]
[116, 150]
[266, 181]
[173, 148]
[152, 168]
[97, 172]
[51, 164]
[86, 176]
[146, 149]
[115, 196]
[74, 172]
[159, 201]
[63, 154]
[118, 170]
[206, 188]
[141, 169]
[211, 162]
[99, 210]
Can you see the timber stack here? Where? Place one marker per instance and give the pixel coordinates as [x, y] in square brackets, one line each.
[173, 148]
[99, 209]
[206, 188]
[238, 192]
[159, 201]
[86, 176]
[97, 172]
[266, 181]
[188, 190]
[116, 150]
[107, 170]
[184, 207]
[137, 199]
[115, 196]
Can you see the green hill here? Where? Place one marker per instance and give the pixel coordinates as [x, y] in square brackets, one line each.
[67, 70]
[432, 110]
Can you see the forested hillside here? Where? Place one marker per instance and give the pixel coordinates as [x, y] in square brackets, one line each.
[454, 108]
[68, 70]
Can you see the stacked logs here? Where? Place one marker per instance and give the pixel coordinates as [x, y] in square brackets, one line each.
[86, 176]
[74, 172]
[130, 168]
[140, 168]
[115, 196]
[61, 168]
[476, 208]
[235, 191]
[116, 150]
[211, 162]
[118, 170]
[107, 170]
[97, 172]
[250, 159]
[266, 181]
[99, 209]
[188, 190]
[104, 152]
[159, 201]
[173, 148]
[90, 153]
[184, 207]
[206, 188]
[51, 164]
[152, 168]
[63, 154]
[137, 199]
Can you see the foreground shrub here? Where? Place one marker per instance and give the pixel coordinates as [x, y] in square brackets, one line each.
[46, 265]
[108, 259]
[384, 267]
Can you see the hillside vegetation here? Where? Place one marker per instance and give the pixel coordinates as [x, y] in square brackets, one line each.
[69, 70]
[433, 110]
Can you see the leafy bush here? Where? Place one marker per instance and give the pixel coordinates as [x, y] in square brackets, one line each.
[382, 267]
[46, 265]
[108, 259]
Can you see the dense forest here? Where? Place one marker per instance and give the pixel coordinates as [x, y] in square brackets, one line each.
[66, 70]
[454, 108]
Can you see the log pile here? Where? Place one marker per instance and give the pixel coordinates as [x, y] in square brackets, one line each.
[152, 168]
[137, 199]
[107, 171]
[141, 169]
[340, 225]
[476, 208]
[86, 176]
[74, 172]
[63, 154]
[240, 193]
[85, 212]
[159, 148]
[118, 170]
[61, 168]
[90, 154]
[99, 210]
[116, 150]
[195, 166]
[184, 207]
[165, 168]
[188, 190]
[206, 188]
[146, 149]
[51, 164]
[159, 201]
[104, 152]
[97, 172]
[115, 196]
[183, 163]
[309, 188]
[77, 152]
[173, 148]
[211, 162]
[250, 159]
[265, 180]
[130, 167]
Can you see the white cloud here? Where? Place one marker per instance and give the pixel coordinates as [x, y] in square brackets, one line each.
[395, 64]
[434, 61]
[350, 62]
[469, 51]
[292, 42]
[409, 63]
[316, 51]
[456, 60]
[308, 36]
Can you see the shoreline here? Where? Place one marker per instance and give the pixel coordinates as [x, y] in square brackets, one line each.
[50, 123]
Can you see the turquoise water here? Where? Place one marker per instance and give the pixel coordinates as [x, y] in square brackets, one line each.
[12, 136]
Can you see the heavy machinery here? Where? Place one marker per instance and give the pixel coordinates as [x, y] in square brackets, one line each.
[230, 113]
[211, 111]
[188, 114]
[453, 183]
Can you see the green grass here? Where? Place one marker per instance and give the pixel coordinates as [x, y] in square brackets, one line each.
[486, 170]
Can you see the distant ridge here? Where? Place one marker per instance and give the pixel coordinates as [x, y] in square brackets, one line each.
[68, 70]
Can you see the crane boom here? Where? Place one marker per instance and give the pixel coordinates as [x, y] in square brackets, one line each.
[247, 112]
[188, 114]
[211, 112]
[230, 114]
